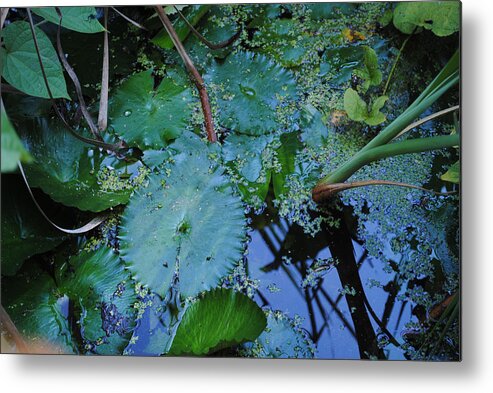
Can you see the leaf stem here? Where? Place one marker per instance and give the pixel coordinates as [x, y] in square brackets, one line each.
[197, 79]
[204, 40]
[395, 64]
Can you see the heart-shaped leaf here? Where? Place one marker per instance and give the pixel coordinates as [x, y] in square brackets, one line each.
[149, 118]
[81, 19]
[21, 66]
[189, 223]
[220, 319]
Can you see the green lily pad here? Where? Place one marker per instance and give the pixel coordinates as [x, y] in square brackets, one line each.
[218, 320]
[21, 66]
[189, 223]
[25, 232]
[441, 17]
[72, 172]
[249, 88]
[12, 148]
[282, 338]
[38, 311]
[149, 118]
[81, 19]
[103, 296]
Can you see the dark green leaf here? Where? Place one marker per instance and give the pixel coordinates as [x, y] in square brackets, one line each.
[286, 155]
[81, 19]
[441, 17]
[188, 222]
[249, 88]
[22, 69]
[150, 118]
[72, 172]
[220, 319]
[25, 232]
[314, 132]
[12, 147]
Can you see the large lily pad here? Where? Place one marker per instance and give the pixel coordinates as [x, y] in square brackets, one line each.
[149, 118]
[103, 296]
[189, 223]
[441, 17]
[81, 19]
[25, 232]
[220, 319]
[21, 66]
[280, 339]
[249, 89]
[72, 172]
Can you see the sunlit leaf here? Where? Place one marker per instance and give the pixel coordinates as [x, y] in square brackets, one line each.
[148, 117]
[219, 319]
[12, 148]
[81, 19]
[22, 69]
[441, 17]
[453, 173]
[189, 222]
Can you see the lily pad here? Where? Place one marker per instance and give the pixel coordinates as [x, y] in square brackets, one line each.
[21, 65]
[25, 232]
[149, 118]
[81, 19]
[218, 320]
[188, 223]
[72, 172]
[249, 88]
[282, 338]
[441, 17]
[103, 296]
[12, 148]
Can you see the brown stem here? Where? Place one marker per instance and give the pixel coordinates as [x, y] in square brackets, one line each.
[326, 191]
[204, 40]
[197, 79]
[74, 78]
[94, 142]
[10, 328]
[105, 77]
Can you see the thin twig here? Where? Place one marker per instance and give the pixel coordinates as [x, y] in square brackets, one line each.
[74, 78]
[327, 190]
[136, 24]
[94, 142]
[197, 79]
[105, 78]
[95, 222]
[204, 40]
[3, 15]
[395, 63]
[426, 119]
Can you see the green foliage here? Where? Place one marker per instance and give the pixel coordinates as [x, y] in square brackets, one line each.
[441, 17]
[188, 222]
[103, 296]
[12, 148]
[370, 72]
[286, 154]
[282, 338]
[24, 231]
[249, 88]
[357, 109]
[314, 132]
[81, 19]
[330, 10]
[221, 318]
[453, 173]
[72, 172]
[193, 14]
[149, 118]
[21, 66]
